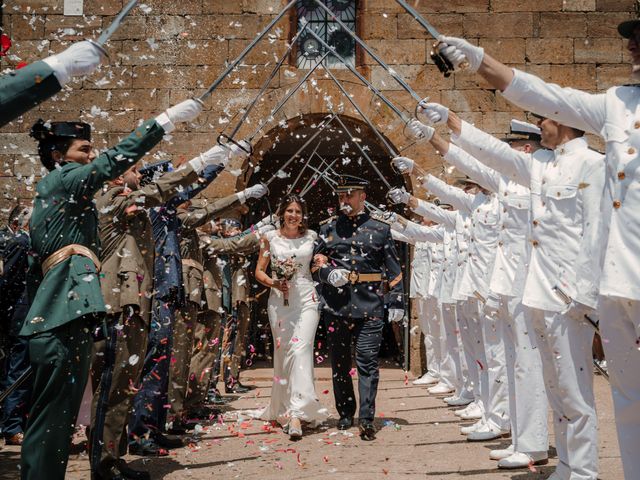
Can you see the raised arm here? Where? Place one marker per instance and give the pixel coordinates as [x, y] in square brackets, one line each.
[434, 213]
[23, 89]
[567, 106]
[421, 233]
[455, 196]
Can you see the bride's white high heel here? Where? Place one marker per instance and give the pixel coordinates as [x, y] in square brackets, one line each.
[295, 429]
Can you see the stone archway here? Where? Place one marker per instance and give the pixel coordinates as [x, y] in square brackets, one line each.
[334, 146]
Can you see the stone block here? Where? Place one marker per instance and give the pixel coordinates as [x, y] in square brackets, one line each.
[605, 24]
[498, 25]
[526, 5]
[508, 50]
[549, 50]
[447, 23]
[134, 27]
[598, 50]
[557, 24]
[611, 75]
[615, 5]
[579, 5]
[222, 7]
[267, 53]
[25, 27]
[378, 26]
[100, 7]
[59, 27]
[469, 100]
[403, 52]
[39, 7]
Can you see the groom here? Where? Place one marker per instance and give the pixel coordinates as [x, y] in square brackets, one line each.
[362, 267]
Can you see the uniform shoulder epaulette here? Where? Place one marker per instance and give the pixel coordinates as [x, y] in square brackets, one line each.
[381, 217]
[328, 220]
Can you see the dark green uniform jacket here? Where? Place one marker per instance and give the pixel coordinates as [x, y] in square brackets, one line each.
[64, 213]
[23, 89]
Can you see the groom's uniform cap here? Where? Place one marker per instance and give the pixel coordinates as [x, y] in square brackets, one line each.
[347, 183]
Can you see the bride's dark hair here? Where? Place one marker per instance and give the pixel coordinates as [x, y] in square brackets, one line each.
[288, 200]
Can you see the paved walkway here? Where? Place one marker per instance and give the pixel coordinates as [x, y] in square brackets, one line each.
[418, 438]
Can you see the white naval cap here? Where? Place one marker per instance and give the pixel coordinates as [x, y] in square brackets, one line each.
[529, 130]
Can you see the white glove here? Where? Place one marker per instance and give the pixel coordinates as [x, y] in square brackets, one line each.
[236, 153]
[457, 51]
[254, 191]
[268, 220]
[338, 277]
[399, 195]
[396, 314]
[182, 112]
[403, 164]
[420, 131]
[214, 156]
[435, 113]
[79, 59]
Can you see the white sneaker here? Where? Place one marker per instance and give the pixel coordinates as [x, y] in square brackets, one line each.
[426, 379]
[472, 428]
[459, 401]
[487, 432]
[474, 412]
[523, 460]
[465, 409]
[448, 399]
[501, 453]
[440, 389]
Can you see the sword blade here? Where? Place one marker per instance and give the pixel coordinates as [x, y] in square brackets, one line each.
[420, 19]
[111, 29]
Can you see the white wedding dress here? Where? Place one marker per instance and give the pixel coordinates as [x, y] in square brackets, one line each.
[294, 328]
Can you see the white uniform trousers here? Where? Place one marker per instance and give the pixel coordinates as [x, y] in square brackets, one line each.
[453, 353]
[565, 341]
[620, 328]
[430, 326]
[473, 346]
[495, 391]
[528, 406]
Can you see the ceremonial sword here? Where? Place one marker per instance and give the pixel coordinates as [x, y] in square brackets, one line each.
[28, 373]
[111, 29]
[442, 62]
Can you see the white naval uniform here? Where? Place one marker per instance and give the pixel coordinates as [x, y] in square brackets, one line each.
[428, 318]
[615, 116]
[468, 329]
[452, 354]
[488, 348]
[447, 367]
[566, 188]
[527, 398]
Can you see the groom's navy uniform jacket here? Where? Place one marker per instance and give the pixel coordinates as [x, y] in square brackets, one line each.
[363, 246]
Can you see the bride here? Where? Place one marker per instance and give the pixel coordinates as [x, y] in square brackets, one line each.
[293, 316]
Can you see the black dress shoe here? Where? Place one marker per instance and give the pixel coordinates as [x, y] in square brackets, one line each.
[236, 388]
[130, 473]
[215, 398]
[204, 413]
[167, 441]
[112, 473]
[345, 423]
[178, 427]
[367, 430]
[147, 448]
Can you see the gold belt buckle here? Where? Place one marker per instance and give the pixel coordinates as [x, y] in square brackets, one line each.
[353, 276]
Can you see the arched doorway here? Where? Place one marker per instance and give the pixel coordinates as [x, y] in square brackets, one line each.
[330, 153]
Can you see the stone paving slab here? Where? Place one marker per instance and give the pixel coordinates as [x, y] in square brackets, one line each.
[418, 438]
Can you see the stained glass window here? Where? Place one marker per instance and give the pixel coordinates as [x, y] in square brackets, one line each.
[310, 49]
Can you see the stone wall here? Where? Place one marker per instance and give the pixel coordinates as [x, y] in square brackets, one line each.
[176, 48]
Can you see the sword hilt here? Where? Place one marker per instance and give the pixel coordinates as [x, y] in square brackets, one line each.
[224, 139]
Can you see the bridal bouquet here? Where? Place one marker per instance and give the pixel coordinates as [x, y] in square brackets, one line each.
[284, 270]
